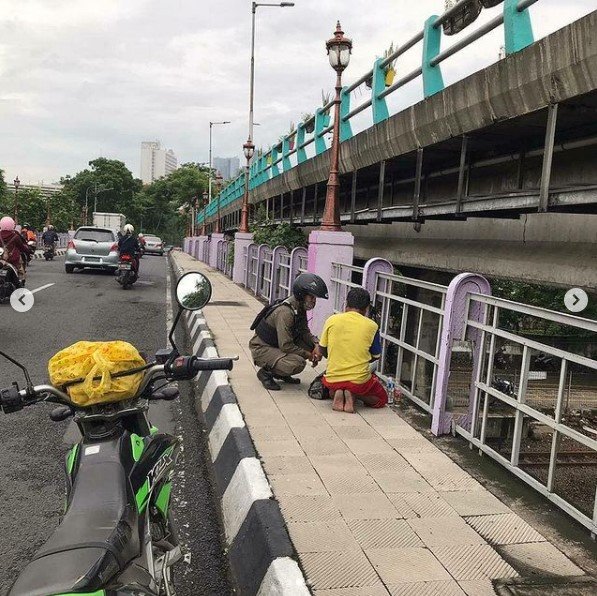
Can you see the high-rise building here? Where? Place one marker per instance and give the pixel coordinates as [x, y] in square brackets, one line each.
[227, 166]
[156, 162]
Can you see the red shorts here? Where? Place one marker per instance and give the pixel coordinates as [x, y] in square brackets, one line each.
[371, 388]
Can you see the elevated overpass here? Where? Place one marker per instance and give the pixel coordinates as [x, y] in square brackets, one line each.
[495, 173]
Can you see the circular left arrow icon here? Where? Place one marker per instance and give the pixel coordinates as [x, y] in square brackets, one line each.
[22, 300]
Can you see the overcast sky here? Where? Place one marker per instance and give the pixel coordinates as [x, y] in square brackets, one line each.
[83, 78]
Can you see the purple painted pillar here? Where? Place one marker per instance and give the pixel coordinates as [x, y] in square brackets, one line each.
[326, 248]
[453, 329]
[372, 268]
[241, 244]
[213, 249]
[198, 253]
[185, 245]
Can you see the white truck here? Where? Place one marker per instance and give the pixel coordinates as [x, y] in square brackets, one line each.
[112, 221]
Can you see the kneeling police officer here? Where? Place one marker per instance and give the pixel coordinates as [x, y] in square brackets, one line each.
[282, 343]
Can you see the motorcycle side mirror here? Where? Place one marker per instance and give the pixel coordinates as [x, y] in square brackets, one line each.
[22, 367]
[193, 292]
[60, 413]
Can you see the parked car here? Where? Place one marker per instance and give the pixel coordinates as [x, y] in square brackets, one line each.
[92, 247]
[154, 245]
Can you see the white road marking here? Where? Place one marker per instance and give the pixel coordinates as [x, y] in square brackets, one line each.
[42, 288]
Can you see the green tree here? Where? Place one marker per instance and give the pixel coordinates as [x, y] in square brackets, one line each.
[158, 203]
[266, 232]
[111, 179]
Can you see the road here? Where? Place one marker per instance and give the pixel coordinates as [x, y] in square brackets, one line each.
[92, 306]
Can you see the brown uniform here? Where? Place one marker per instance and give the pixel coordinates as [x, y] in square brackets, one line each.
[295, 342]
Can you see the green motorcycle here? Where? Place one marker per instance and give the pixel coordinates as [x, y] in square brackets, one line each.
[117, 536]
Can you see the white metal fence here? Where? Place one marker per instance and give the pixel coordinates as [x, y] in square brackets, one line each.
[533, 428]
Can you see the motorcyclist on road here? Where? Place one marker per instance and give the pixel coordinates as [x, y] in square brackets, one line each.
[128, 244]
[14, 245]
[30, 238]
[282, 343]
[49, 237]
[28, 234]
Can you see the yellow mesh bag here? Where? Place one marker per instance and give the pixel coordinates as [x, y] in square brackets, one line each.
[89, 359]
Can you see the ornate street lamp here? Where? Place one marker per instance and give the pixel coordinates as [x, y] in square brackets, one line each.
[339, 49]
[248, 150]
[15, 214]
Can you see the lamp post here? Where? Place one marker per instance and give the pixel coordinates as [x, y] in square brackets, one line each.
[205, 202]
[339, 49]
[248, 150]
[249, 147]
[15, 212]
[211, 125]
[219, 181]
[96, 190]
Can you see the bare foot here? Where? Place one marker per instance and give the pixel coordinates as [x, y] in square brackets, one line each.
[338, 403]
[348, 402]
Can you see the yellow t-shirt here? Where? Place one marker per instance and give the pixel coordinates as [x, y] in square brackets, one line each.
[352, 340]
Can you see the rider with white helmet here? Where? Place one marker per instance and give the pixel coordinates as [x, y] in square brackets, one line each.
[128, 244]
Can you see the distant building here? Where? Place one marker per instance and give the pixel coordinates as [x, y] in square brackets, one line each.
[227, 166]
[156, 162]
[46, 190]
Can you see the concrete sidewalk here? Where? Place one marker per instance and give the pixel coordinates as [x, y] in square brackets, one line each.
[372, 507]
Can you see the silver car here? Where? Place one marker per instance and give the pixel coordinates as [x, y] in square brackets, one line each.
[92, 247]
[154, 245]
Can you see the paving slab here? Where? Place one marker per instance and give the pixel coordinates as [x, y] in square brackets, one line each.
[444, 531]
[376, 590]
[469, 503]
[322, 536]
[350, 569]
[448, 588]
[407, 565]
[369, 506]
[383, 533]
[504, 529]
[542, 558]
[473, 562]
[312, 508]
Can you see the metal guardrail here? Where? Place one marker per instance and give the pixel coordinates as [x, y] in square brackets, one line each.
[536, 438]
[518, 35]
[411, 316]
[341, 282]
[266, 274]
[284, 275]
[252, 267]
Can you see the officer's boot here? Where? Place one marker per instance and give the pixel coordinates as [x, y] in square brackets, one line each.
[267, 380]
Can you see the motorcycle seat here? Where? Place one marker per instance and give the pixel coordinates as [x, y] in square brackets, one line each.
[97, 538]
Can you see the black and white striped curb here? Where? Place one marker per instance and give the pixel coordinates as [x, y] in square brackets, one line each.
[40, 254]
[259, 548]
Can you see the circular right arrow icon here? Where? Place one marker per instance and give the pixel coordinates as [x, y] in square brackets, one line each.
[576, 300]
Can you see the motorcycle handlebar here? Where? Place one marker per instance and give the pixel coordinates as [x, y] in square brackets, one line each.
[213, 364]
[26, 397]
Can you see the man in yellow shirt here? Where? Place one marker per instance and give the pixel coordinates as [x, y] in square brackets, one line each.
[350, 341]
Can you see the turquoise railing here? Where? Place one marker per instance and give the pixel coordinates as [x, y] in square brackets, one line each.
[518, 34]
